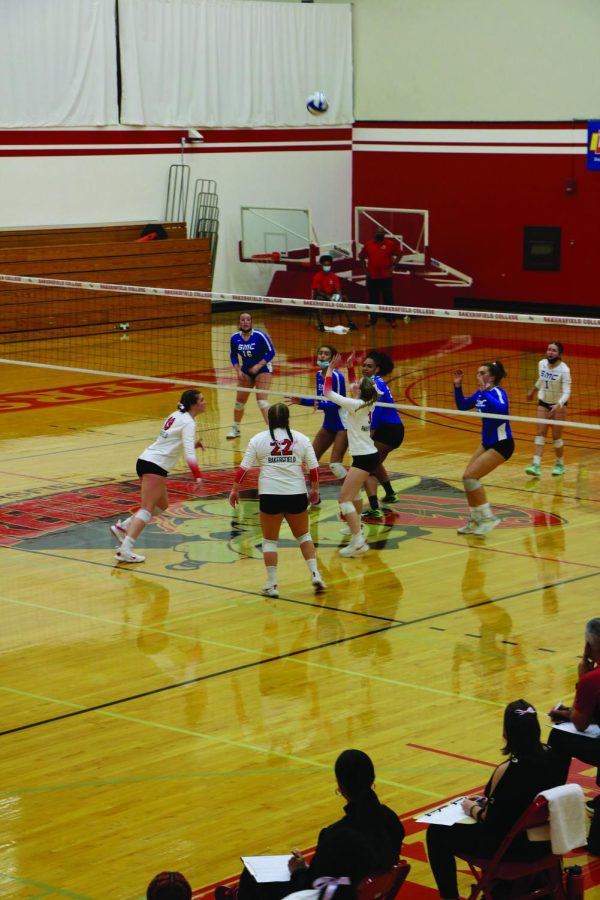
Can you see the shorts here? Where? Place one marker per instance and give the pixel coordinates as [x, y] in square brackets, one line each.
[276, 504]
[366, 462]
[389, 433]
[505, 448]
[252, 375]
[548, 405]
[144, 467]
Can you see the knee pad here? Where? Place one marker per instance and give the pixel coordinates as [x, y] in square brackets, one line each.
[304, 538]
[558, 443]
[347, 507]
[238, 404]
[338, 470]
[269, 546]
[144, 514]
[471, 484]
[539, 440]
[263, 404]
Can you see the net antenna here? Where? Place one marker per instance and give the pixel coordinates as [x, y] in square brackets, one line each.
[411, 228]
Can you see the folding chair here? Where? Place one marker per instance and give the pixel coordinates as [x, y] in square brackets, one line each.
[384, 886]
[531, 879]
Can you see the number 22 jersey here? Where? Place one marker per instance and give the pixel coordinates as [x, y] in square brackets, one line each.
[281, 461]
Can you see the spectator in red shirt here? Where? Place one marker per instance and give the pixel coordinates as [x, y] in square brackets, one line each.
[326, 285]
[585, 711]
[379, 256]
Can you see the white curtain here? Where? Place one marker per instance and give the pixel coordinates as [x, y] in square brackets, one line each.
[57, 63]
[234, 62]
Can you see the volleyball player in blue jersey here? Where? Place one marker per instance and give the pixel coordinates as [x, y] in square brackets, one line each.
[332, 432]
[251, 352]
[497, 444]
[387, 429]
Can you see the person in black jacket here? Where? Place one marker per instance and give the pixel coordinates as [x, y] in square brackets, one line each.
[370, 832]
[531, 767]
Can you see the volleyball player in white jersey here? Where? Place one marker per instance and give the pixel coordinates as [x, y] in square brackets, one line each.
[553, 391]
[356, 412]
[283, 456]
[154, 464]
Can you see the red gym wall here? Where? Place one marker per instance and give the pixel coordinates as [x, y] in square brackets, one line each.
[482, 183]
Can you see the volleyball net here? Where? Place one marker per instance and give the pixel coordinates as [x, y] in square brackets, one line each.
[183, 338]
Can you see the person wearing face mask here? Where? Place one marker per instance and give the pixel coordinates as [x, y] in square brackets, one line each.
[497, 444]
[326, 285]
[553, 388]
[332, 432]
[379, 256]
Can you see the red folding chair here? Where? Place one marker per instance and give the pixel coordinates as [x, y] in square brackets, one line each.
[530, 879]
[384, 886]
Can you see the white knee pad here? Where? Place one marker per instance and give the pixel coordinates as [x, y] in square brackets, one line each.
[471, 484]
[144, 514]
[269, 546]
[346, 507]
[304, 538]
[338, 470]
[238, 405]
[558, 443]
[263, 404]
[539, 440]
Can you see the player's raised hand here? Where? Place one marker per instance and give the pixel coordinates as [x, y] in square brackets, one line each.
[458, 377]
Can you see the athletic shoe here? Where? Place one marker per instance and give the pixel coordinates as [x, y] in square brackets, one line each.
[234, 433]
[372, 514]
[318, 583]
[468, 528]
[118, 531]
[270, 590]
[346, 530]
[559, 467]
[534, 469]
[127, 556]
[391, 498]
[353, 549]
[485, 525]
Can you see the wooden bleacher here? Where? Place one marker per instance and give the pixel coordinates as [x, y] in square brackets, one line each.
[99, 253]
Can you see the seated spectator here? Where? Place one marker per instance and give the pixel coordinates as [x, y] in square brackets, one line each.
[326, 285]
[531, 767]
[169, 886]
[370, 832]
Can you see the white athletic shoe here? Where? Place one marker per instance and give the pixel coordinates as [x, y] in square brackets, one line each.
[469, 527]
[354, 549]
[485, 525]
[128, 556]
[318, 583]
[234, 433]
[270, 590]
[118, 531]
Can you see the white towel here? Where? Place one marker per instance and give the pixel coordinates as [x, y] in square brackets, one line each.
[566, 807]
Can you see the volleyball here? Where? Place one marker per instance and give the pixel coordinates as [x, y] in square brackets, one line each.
[317, 104]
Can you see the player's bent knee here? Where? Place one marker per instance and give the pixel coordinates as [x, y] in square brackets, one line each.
[269, 546]
[471, 484]
[558, 443]
[239, 404]
[347, 508]
[304, 538]
[539, 440]
[337, 469]
[144, 515]
[263, 404]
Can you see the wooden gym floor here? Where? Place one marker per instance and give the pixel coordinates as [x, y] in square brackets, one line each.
[167, 716]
